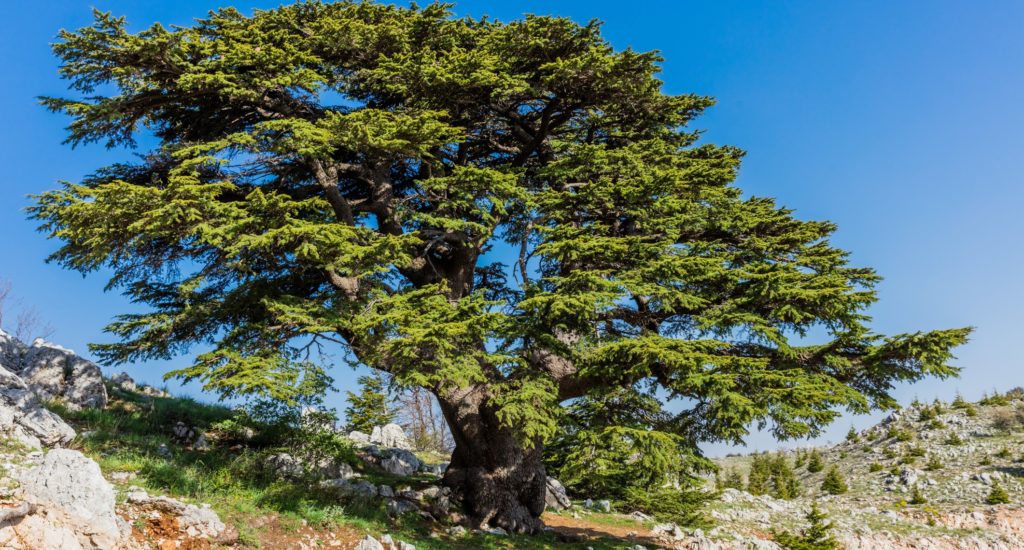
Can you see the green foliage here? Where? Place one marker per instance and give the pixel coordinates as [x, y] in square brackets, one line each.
[875, 467]
[959, 402]
[817, 536]
[1005, 421]
[985, 461]
[731, 478]
[995, 400]
[916, 497]
[609, 445]
[916, 450]
[681, 506]
[954, 439]
[1004, 453]
[852, 436]
[772, 474]
[899, 434]
[834, 484]
[815, 463]
[333, 172]
[934, 464]
[370, 407]
[997, 495]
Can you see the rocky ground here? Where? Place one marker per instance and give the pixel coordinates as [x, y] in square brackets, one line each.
[88, 462]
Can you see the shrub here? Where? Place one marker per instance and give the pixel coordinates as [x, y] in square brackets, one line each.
[772, 474]
[875, 467]
[889, 453]
[817, 536]
[834, 484]
[985, 461]
[997, 495]
[814, 462]
[954, 439]
[933, 464]
[852, 436]
[899, 434]
[936, 424]
[730, 479]
[916, 498]
[971, 410]
[994, 400]
[1004, 421]
[908, 460]
[959, 402]
[916, 450]
[927, 414]
[682, 506]
[1003, 453]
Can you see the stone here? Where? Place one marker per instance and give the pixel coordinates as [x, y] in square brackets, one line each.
[23, 417]
[285, 466]
[390, 436]
[124, 381]
[397, 507]
[668, 530]
[359, 438]
[400, 462]
[53, 372]
[369, 543]
[69, 481]
[555, 496]
[12, 351]
[194, 521]
[456, 531]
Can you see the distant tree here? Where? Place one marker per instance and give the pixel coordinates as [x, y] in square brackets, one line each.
[732, 478]
[339, 173]
[997, 495]
[370, 407]
[815, 463]
[785, 485]
[817, 536]
[852, 435]
[760, 475]
[916, 497]
[416, 410]
[834, 484]
[959, 402]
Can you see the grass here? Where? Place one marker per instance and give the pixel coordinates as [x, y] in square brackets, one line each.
[127, 437]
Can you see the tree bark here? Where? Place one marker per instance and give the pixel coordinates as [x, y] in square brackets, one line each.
[500, 481]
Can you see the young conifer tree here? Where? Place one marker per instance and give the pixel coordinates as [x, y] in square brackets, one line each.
[370, 407]
[341, 172]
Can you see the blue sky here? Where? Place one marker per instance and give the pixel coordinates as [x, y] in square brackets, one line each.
[900, 121]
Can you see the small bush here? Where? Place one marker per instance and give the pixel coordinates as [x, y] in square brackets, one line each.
[834, 484]
[954, 439]
[889, 453]
[817, 536]
[916, 450]
[997, 495]
[875, 467]
[1003, 453]
[1004, 421]
[916, 498]
[933, 464]
[971, 411]
[814, 462]
[731, 479]
[852, 435]
[936, 425]
[959, 402]
[994, 400]
[985, 461]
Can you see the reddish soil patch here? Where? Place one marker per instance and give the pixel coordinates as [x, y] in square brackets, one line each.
[582, 530]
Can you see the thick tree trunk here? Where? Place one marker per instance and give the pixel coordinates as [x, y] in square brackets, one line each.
[501, 482]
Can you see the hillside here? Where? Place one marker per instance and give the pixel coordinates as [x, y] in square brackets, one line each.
[89, 462]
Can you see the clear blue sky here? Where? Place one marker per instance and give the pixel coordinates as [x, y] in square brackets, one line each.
[901, 121]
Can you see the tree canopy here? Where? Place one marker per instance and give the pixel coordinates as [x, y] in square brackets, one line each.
[510, 214]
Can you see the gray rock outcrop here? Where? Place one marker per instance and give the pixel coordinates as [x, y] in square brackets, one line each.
[556, 497]
[390, 436]
[23, 417]
[53, 372]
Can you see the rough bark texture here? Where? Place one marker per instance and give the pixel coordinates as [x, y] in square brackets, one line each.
[501, 482]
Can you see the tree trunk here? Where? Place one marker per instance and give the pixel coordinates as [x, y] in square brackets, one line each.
[500, 481]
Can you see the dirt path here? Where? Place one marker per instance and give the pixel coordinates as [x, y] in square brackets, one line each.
[582, 529]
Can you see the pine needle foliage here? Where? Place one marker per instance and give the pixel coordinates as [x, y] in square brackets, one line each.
[834, 483]
[335, 174]
[817, 536]
[370, 407]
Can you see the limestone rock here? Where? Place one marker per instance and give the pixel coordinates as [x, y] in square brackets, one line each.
[369, 543]
[195, 522]
[400, 462]
[556, 497]
[359, 438]
[70, 485]
[23, 417]
[54, 372]
[391, 436]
